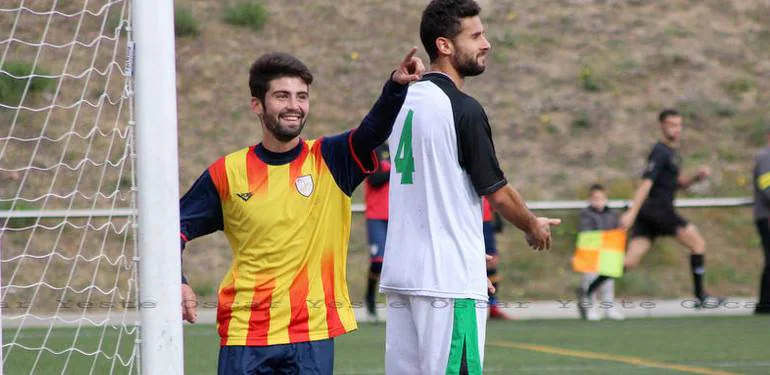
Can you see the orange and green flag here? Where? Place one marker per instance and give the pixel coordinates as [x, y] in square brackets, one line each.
[600, 251]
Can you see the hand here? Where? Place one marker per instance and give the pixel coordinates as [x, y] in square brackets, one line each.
[539, 237]
[703, 172]
[627, 220]
[490, 287]
[410, 69]
[492, 261]
[189, 304]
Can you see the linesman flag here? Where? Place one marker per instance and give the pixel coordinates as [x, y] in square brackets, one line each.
[600, 251]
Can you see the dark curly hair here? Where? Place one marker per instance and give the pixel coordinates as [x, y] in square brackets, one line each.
[441, 18]
[275, 65]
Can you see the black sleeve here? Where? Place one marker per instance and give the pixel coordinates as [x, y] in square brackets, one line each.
[656, 162]
[476, 149]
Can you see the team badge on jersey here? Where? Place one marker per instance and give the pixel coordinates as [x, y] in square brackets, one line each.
[304, 185]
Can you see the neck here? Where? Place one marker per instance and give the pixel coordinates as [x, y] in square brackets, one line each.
[669, 143]
[445, 66]
[272, 144]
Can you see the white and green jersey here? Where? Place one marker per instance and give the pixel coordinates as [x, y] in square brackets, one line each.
[443, 161]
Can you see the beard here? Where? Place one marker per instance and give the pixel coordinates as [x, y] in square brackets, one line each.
[282, 132]
[467, 65]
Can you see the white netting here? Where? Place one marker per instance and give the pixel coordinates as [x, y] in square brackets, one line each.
[66, 188]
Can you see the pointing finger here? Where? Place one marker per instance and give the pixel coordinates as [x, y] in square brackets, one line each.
[408, 57]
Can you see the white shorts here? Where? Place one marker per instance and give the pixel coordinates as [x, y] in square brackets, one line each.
[429, 335]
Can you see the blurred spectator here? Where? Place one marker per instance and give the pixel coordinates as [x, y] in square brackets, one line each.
[761, 215]
[492, 224]
[376, 198]
[597, 216]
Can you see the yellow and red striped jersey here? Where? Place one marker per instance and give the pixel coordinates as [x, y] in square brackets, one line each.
[287, 218]
[287, 225]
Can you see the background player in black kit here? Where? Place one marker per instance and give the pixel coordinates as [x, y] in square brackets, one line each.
[652, 213]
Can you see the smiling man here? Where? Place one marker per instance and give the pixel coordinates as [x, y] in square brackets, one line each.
[284, 205]
[443, 162]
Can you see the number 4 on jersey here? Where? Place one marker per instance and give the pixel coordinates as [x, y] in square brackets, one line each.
[404, 160]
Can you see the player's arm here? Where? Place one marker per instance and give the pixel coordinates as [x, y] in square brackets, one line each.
[350, 155]
[382, 174]
[657, 160]
[685, 182]
[508, 203]
[628, 218]
[378, 124]
[476, 155]
[200, 213]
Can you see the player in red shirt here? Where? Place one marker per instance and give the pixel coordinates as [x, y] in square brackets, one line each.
[376, 196]
[492, 224]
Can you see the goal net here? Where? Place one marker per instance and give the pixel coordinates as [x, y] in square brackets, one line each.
[67, 188]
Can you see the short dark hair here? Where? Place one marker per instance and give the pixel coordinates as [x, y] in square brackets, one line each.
[596, 187]
[666, 113]
[275, 65]
[441, 18]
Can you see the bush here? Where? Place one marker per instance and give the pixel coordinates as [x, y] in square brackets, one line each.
[16, 223]
[246, 13]
[588, 79]
[13, 79]
[185, 24]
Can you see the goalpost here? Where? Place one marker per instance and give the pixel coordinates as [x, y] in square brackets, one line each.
[89, 259]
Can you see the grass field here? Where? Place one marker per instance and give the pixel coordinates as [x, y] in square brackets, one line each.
[709, 345]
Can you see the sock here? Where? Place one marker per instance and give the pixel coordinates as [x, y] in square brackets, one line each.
[697, 265]
[596, 284]
[493, 296]
[492, 275]
[371, 287]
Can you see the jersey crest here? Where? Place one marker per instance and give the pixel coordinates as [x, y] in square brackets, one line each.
[304, 185]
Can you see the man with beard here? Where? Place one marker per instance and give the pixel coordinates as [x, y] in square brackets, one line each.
[652, 213]
[443, 162]
[284, 205]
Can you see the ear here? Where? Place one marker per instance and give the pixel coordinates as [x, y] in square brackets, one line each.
[445, 46]
[256, 106]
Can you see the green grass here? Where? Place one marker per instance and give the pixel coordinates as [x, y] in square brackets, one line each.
[185, 25]
[734, 345]
[14, 77]
[246, 13]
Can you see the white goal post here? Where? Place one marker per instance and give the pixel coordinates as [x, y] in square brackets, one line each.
[89, 234]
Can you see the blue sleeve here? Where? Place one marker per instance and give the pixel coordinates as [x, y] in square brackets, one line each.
[350, 155]
[376, 127]
[200, 210]
[348, 172]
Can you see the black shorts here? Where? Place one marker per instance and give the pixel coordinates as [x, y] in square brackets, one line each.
[657, 221]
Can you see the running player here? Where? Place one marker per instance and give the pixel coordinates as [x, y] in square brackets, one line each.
[652, 212]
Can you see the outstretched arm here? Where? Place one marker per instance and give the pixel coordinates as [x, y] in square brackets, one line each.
[511, 206]
[686, 182]
[350, 155]
[377, 125]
